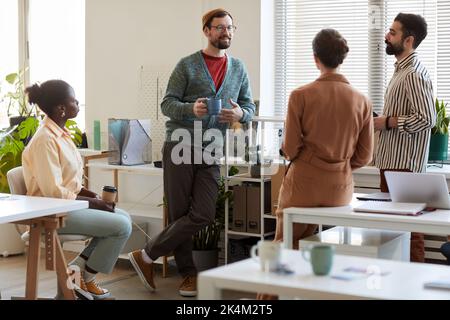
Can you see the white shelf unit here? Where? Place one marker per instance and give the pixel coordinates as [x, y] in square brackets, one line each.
[143, 203]
[246, 177]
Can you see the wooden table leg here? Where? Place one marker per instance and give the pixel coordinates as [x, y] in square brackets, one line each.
[64, 280]
[164, 271]
[116, 182]
[31, 287]
[54, 256]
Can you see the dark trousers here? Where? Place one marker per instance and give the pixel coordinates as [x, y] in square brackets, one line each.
[417, 239]
[191, 193]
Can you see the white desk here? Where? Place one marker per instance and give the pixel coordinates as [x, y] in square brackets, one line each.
[437, 222]
[41, 214]
[16, 207]
[405, 280]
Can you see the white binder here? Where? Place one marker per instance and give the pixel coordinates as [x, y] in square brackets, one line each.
[130, 140]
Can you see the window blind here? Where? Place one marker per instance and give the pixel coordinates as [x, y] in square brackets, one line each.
[443, 52]
[363, 24]
[427, 49]
[57, 45]
[296, 24]
[9, 55]
[56, 42]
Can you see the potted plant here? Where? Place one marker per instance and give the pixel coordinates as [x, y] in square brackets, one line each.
[205, 251]
[439, 134]
[15, 100]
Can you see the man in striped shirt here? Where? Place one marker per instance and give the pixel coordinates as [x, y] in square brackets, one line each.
[409, 112]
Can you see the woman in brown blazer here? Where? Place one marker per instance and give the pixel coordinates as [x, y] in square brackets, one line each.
[328, 134]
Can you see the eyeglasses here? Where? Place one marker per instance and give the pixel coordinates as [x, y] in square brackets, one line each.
[220, 28]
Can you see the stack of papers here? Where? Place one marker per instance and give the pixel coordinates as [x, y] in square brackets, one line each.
[354, 273]
[400, 208]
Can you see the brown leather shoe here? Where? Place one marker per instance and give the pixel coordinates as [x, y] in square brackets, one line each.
[188, 287]
[143, 269]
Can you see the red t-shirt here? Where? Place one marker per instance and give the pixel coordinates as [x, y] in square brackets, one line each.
[217, 67]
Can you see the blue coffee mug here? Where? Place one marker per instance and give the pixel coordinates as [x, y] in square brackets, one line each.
[214, 105]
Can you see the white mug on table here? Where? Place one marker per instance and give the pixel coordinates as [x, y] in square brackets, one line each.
[268, 253]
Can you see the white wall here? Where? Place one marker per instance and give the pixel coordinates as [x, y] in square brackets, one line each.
[123, 35]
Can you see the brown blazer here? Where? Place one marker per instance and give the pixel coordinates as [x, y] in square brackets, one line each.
[328, 133]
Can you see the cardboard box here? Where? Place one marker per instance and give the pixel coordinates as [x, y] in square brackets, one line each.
[254, 205]
[239, 221]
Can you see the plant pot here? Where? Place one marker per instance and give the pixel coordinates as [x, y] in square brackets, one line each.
[438, 147]
[255, 171]
[16, 120]
[205, 259]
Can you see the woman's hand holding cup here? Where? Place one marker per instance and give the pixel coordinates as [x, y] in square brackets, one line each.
[100, 204]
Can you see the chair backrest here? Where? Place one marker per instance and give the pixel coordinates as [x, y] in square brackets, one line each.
[16, 181]
[17, 185]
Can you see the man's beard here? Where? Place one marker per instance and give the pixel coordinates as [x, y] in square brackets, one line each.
[222, 43]
[392, 49]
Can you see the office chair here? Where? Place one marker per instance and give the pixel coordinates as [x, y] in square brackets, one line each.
[17, 186]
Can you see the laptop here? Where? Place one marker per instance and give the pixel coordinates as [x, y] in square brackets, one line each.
[396, 208]
[418, 188]
[377, 196]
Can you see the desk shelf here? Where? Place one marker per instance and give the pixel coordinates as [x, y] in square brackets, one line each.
[266, 175]
[248, 234]
[245, 177]
[147, 169]
[142, 210]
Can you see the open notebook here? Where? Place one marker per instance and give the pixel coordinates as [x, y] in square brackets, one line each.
[398, 208]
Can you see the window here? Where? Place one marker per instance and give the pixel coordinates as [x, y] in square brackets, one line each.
[363, 24]
[56, 41]
[57, 45]
[9, 54]
[443, 51]
[296, 24]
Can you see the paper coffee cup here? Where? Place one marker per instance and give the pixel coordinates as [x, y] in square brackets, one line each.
[109, 193]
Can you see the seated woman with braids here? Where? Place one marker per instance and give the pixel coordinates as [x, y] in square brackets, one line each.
[52, 167]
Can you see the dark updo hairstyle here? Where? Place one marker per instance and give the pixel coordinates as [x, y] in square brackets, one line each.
[49, 94]
[330, 47]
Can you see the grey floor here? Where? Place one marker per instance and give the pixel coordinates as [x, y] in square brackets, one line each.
[123, 282]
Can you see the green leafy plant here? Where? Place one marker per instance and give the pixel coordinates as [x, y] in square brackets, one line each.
[16, 100]
[13, 141]
[12, 144]
[75, 132]
[208, 237]
[442, 121]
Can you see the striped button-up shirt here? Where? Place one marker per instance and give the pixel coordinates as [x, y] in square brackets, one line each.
[409, 97]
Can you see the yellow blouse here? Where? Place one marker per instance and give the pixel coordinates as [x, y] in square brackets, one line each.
[52, 165]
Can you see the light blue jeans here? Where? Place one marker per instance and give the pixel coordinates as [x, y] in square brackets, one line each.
[109, 231]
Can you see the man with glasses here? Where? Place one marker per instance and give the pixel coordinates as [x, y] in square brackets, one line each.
[190, 185]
